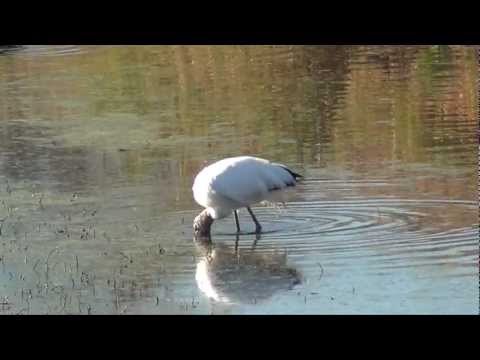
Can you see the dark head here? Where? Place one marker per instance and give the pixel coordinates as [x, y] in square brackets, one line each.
[202, 225]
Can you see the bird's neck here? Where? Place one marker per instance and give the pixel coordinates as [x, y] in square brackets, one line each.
[202, 224]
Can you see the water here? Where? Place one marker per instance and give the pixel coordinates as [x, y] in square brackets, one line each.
[99, 146]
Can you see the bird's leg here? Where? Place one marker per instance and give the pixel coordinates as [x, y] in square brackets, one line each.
[237, 238]
[258, 227]
[257, 237]
[236, 221]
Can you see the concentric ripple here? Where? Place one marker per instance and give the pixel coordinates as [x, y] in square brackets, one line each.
[385, 232]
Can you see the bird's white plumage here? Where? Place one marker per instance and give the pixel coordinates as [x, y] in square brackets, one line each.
[237, 182]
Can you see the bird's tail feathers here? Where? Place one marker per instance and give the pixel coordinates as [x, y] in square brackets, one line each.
[294, 174]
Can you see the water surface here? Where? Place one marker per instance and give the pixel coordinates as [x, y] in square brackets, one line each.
[99, 146]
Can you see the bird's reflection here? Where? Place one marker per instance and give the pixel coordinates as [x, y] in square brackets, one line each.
[230, 274]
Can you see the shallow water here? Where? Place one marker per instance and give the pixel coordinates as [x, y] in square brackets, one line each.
[99, 146]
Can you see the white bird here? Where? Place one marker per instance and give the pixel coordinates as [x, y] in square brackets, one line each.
[234, 183]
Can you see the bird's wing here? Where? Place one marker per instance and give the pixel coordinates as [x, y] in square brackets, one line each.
[242, 189]
[294, 174]
[280, 176]
[248, 182]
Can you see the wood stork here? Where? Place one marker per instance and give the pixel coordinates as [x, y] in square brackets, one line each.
[234, 183]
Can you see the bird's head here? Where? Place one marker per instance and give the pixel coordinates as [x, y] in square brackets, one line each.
[202, 225]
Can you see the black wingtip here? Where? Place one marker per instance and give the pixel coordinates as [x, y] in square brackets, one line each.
[294, 174]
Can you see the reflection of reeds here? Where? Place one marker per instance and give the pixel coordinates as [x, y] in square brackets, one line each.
[1, 224]
[364, 100]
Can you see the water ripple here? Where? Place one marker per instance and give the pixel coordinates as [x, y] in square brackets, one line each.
[383, 232]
